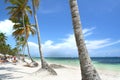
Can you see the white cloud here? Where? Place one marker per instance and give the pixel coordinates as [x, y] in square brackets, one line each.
[97, 44]
[87, 31]
[67, 48]
[6, 27]
[63, 49]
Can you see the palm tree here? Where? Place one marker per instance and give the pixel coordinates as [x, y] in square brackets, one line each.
[44, 64]
[24, 31]
[14, 51]
[4, 48]
[2, 38]
[18, 8]
[88, 72]
[19, 16]
[20, 42]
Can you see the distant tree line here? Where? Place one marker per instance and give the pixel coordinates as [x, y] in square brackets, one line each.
[6, 48]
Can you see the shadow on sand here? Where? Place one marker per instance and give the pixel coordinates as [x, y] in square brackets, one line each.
[6, 76]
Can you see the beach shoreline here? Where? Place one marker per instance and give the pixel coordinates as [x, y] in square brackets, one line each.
[9, 71]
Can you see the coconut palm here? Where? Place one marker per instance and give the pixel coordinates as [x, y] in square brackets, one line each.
[14, 51]
[4, 48]
[21, 42]
[88, 71]
[18, 11]
[2, 38]
[24, 32]
[20, 46]
[44, 64]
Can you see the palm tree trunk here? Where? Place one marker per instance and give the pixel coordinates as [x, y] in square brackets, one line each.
[44, 64]
[88, 71]
[26, 39]
[23, 50]
[18, 55]
[38, 35]
[29, 52]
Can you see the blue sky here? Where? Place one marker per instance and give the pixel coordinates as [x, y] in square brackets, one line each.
[100, 23]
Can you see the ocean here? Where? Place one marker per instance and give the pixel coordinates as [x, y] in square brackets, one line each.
[107, 63]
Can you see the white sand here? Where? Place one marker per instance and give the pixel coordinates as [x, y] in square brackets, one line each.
[19, 72]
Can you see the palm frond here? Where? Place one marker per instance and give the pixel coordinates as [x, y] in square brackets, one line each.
[33, 31]
[28, 9]
[18, 32]
[18, 26]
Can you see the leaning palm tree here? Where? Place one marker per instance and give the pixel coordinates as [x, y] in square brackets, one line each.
[18, 12]
[88, 71]
[19, 30]
[44, 64]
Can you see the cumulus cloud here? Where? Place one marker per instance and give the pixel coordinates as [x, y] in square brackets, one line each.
[63, 49]
[67, 47]
[6, 27]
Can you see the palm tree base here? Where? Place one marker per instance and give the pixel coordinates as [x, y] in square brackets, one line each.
[46, 66]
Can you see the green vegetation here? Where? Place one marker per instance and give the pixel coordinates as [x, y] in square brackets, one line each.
[18, 12]
[6, 48]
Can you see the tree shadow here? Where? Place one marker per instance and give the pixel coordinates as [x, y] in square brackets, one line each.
[8, 68]
[10, 75]
[12, 69]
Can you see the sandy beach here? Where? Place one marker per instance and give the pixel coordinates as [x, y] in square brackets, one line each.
[9, 71]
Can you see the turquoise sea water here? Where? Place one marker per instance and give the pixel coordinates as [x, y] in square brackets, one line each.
[107, 63]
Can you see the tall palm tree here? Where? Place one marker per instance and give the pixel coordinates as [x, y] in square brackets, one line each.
[44, 64]
[19, 16]
[17, 9]
[88, 71]
[24, 32]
